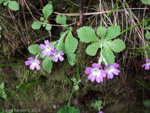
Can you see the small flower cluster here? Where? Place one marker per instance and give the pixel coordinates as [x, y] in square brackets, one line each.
[47, 50]
[95, 73]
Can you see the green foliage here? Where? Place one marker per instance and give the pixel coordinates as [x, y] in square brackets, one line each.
[71, 43]
[2, 91]
[71, 58]
[93, 48]
[147, 103]
[76, 83]
[61, 19]
[34, 49]
[87, 34]
[101, 31]
[61, 44]
[68, 109]
[147, 35]
[36, 25]
[47, 10]
[112, 32]
[0, 34]
[48, 27]
[117, 45]
[108, 55]
[13, 5]
[47, 63]
[146, 2]
[97, 104]
[1, 1]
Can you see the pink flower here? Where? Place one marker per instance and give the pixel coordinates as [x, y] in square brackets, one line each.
[95, 73]
[112, 70]
[33, 63]
[47, 48]
[147, 64]
[57, 55]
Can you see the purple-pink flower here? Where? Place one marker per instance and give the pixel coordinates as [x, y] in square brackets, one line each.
[95, 73]
[47, 48]
[147, 64]
[112, 70]
[57, 55]
[101, 112]
[33, 63]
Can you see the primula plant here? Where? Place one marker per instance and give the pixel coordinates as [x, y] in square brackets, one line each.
[104, 41]
[45, 51]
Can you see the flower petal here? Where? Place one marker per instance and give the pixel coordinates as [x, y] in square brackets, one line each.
[61, 53]
[93, 78]
[148, 60]
[37, 61]
[42, 46]
[52, 48]
[37, 67]
[143, 65]
[108, 65]
[116, 71]
[103, 73]
[44, 52]
[94, 65]
[32, 67]
[90, 76]
[27, 63]
[115, 65]
[46, 42]
[55, 59]
[147, 67]
[88, 70]
[110, 75]
[99, 79]
[30, 58]
[61, 58]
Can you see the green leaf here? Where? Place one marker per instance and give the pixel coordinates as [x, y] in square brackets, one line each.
[42, 19]
[47, 63]
[0, 28]
[147, 103]
[61, 44]
[117, 45]
[1, 1]
[34, 49]
[146, 2]
[93, 48]
[147, 35]
[4, 96]
[13, 5]
[36, 25]
[76, 87]
[74, 79]
[5, 3]
[2, 85]
[47, 10]
[61, 19]
[87, 34]
[108, 55]
[112, 32]
[71, 58]
[71, 43]
[68, 109]
[48, 27]
[101, 31]
[97, 104]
